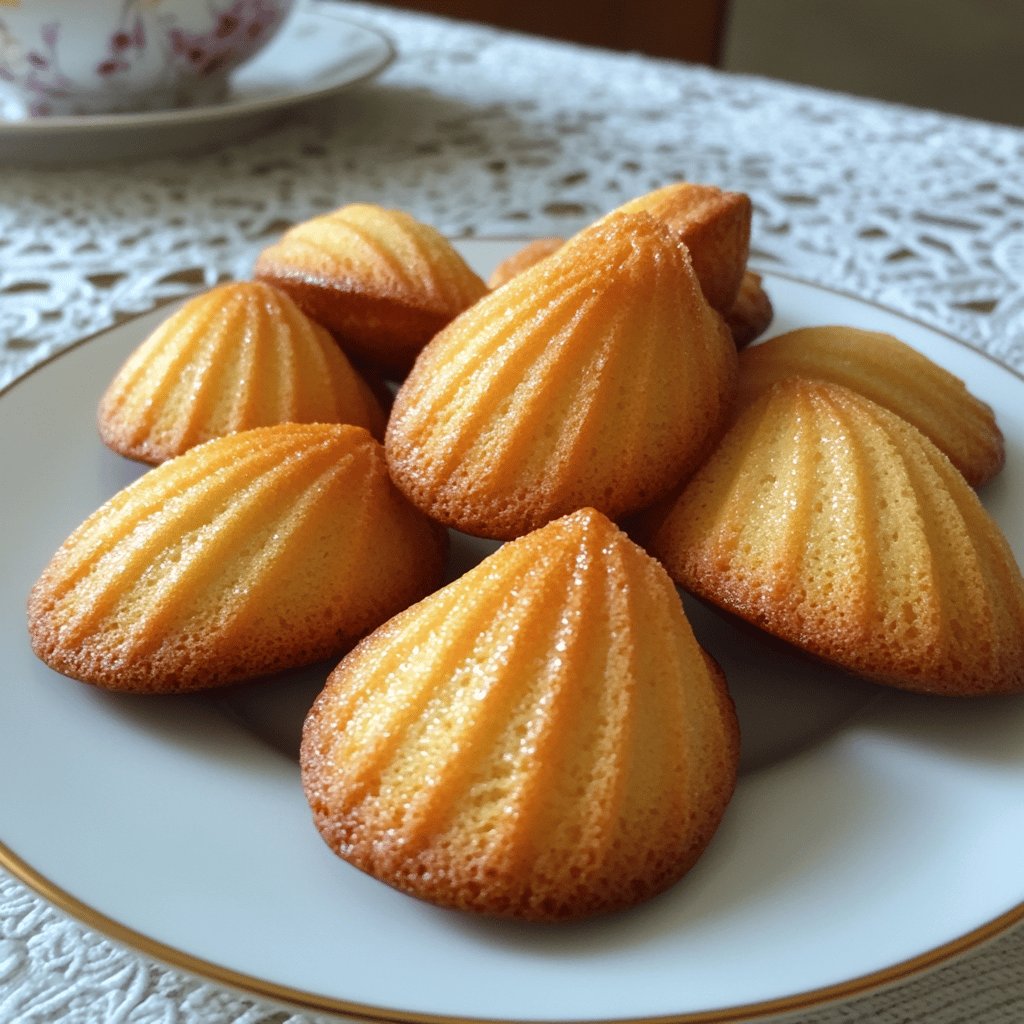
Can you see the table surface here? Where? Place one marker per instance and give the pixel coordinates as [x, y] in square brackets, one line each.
[486, 133]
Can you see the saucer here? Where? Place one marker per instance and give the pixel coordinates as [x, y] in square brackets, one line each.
[317, 54]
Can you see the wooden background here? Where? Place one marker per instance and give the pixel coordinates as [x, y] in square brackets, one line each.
[690, 30]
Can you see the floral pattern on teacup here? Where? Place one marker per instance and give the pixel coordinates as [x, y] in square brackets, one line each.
[36, 70]
[245, 22]
[149, 51]
[128, 40]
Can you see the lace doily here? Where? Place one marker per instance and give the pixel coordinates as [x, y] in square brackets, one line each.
[481, 132]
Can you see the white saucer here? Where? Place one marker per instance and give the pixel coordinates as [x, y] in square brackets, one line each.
[317, 54]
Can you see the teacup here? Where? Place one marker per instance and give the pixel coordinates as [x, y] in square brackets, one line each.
[63, 57]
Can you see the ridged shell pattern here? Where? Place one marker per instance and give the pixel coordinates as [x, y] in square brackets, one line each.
[242, 355]
[522, 259]
[256, 552]
[381, 280]
[713, 224]
[831, 522]
[593, 378]
[891, 373]
[542, 738]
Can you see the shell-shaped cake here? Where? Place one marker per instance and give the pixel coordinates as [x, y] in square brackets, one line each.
[747, 318]
[381, 281]
[891, 373]
[239, 356]
[250, 554]
[595, 378]
[831, 522]
[751, 313]
[541, 739]
[522, 259]
[713, 224]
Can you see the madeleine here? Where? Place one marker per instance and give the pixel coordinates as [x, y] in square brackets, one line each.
[542, 739]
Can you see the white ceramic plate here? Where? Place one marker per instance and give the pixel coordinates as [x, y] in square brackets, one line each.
[872, 834]
[316, 55]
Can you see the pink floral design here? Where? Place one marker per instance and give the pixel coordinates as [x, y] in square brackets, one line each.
[159, 54]
[40, 71]
[130, 35]
[213, 52]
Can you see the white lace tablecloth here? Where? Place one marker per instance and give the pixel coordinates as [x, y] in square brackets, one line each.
[483, 132]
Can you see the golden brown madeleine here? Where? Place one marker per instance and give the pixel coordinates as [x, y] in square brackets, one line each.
[596, 377]
[751, 314]
[242, 355]
[382, 282]
[252, 553]
[542, 739]
[531, 253]
[831, 522]
[891, 373]
[715, 227]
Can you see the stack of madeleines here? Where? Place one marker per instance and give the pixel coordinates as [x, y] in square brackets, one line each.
[544, 737]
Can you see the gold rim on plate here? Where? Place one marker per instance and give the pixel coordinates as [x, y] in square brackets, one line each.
[250, 985]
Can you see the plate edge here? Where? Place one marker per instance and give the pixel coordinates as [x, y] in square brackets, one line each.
[250, 985]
